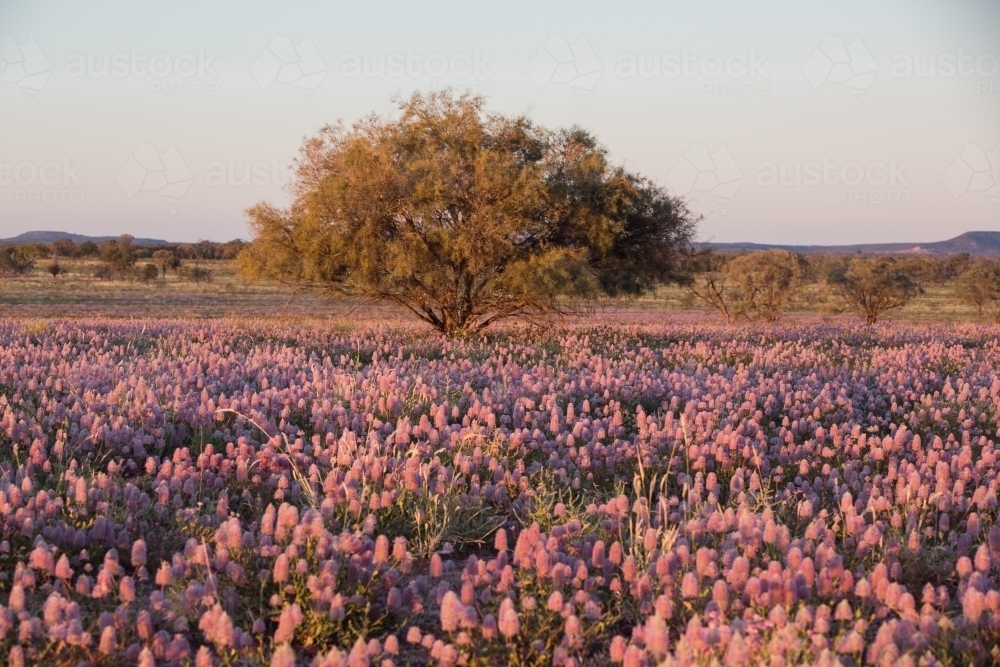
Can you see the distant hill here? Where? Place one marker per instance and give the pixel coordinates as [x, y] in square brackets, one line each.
[974, 243]
[49, 237]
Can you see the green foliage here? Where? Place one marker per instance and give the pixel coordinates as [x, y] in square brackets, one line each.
[466, 217]
[871, 287]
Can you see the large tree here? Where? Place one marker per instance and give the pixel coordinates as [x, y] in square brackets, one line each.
[465, 217]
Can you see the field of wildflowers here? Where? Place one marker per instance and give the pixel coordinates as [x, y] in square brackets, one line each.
[238, 492]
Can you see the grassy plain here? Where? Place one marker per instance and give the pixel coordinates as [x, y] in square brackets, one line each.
[77, 293]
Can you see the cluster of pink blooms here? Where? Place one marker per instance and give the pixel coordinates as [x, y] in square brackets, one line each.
[177, 493]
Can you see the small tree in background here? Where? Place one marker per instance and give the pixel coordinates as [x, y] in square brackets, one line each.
[979, 287]
[164, 259]
[765, 282]
[18, 260]
[148, 273]
[709, 283]
[55, 269]
[63, 248]
[871, 287]
[465, 217]
[87, 249]
[118, 255]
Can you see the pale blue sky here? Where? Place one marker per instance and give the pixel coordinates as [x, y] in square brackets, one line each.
[840, 92]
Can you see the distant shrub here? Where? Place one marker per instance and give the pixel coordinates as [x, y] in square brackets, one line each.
[102, 272]
[196, 274]
[17, 260]
[870, 287]
[148, 272]
[54, 269]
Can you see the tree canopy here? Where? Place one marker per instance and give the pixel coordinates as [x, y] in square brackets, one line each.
[465, 217]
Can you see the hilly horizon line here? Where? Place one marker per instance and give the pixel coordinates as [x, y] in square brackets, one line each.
[972, 242]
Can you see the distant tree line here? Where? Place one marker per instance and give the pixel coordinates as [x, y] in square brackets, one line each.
[761, 286]
[120, 258]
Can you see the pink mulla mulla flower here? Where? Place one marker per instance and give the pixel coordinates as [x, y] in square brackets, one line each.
[267, 521]
[555, 602]
[468, 593]
[138, 553]
[126, 589]
[737, 651]
[844, 611]
[615, 553]
[500, 541]
[282, 568]
[634, 657]
[617, 648]
[63, 569]
[381, 554]
[657, 637]
[508, 623]
[283, 656]
[146, 658]
[392, 645]
[108, 642]
[963, 567]
[973, 605]
[399, 552]
[164, 575]
[290, 618]
[598, 554]
[203, 658]
[852, 643]
[358, 657]
[720, 594]
[489, 627]
[144, 624]
[628, 569]
[451, 612]
[689, 586]
[436, 566]
[413, 635]
[982, 559]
